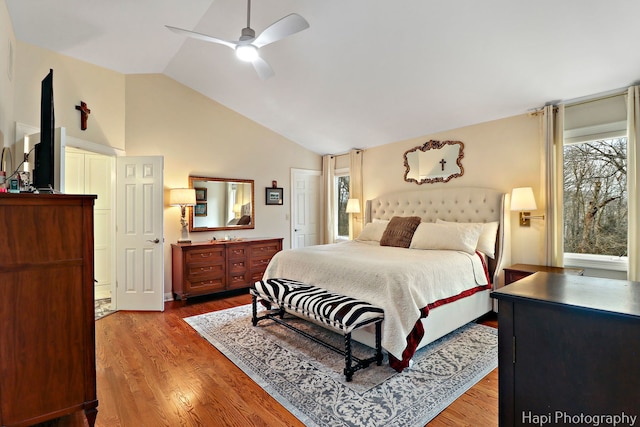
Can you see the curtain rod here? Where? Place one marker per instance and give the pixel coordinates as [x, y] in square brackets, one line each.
[582, 100]
[357, 150]
[586, 100]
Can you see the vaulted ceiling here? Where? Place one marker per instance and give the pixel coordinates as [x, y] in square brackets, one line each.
[366, 72]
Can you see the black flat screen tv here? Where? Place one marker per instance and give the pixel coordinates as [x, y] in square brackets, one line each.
[43, 171]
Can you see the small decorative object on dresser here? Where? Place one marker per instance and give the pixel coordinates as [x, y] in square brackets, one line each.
[516, 272]
[223, 265]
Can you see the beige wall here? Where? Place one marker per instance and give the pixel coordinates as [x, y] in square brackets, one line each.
[200, 137]
[194, 134]
[500, 154]
[73, 81]
[7, 76]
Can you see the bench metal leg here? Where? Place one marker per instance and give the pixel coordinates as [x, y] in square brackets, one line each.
[348, 358]
[379, 343]
[254, 310]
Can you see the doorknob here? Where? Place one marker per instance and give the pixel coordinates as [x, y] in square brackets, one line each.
[156, 240]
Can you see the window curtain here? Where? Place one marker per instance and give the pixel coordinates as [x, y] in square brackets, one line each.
[328, 170]
[633, 181]
[552, 131]
[355, 191]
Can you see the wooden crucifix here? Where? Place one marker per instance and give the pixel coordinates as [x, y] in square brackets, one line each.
[84, 114]
[442, 162]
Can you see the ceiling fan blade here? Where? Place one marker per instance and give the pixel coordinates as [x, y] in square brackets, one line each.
[263, 69]
[286, 26]
[200, 36]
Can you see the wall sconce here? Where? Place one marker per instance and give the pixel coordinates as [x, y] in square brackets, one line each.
[183, 197]
[523, 201]
[353, 206]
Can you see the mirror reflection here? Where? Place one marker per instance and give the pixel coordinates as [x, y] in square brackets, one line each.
[221, 204]
[434, 161]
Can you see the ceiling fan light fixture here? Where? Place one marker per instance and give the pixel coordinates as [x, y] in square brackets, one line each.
[247, 52]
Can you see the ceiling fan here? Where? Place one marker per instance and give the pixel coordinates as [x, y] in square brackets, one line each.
[247, 46]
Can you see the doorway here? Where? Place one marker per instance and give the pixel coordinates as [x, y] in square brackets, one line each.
[87, 172]
[305, 207]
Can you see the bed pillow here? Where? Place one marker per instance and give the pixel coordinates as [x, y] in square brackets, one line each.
[446, 236]
[372, 231]
[487, 240]
[399, 231]
[386, 221]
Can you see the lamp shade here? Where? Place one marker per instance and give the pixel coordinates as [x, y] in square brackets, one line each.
[353, 206]
[522, 199]
[182, 197]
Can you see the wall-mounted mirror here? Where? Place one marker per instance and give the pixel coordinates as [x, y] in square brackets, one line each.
[6, 162]
[434, 161]
[221, 204]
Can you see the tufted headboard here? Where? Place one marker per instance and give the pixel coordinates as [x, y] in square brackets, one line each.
[457, 204]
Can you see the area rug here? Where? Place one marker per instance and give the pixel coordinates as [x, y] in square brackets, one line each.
[102, 308]
[307, 378]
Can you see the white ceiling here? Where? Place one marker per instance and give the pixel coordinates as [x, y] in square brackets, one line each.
[366, 72]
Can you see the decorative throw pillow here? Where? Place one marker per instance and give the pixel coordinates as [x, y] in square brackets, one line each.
[487, 239]
[447, 236]
[399, 231]
[372, 231]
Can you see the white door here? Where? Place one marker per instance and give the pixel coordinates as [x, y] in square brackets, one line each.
[139, 233]
[305, 207]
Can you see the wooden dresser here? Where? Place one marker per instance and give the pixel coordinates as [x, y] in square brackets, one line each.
[567, 345]
[222, 265]
[47, 327]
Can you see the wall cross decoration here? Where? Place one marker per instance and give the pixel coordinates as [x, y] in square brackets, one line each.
[84, 114]
[442, 163]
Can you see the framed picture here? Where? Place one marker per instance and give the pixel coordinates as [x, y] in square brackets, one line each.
[201, 195]
[273, 196]
[200, 209]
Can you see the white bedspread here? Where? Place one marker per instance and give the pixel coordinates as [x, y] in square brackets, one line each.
[401, 281]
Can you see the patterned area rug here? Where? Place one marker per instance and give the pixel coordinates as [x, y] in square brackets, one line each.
[103, 308]
[307, 379]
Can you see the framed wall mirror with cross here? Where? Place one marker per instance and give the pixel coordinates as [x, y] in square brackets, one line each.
[434, 161]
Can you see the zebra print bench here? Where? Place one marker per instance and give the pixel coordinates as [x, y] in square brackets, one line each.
[341, 313]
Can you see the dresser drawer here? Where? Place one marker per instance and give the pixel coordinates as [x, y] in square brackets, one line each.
[259, 263]
[201, 272]
[206, 285]
[238, 280]
[265, 250]
[209, 255]
[256, 276]
[237, 266]
[235, 252]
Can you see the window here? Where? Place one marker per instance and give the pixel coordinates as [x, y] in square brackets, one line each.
[595, 202]
[341, 182]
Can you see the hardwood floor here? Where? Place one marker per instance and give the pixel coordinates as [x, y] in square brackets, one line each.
[154, 370]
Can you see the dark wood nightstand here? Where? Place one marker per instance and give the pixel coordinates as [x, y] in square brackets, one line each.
[519, 271]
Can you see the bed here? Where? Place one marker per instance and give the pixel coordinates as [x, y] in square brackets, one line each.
[425, 293]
